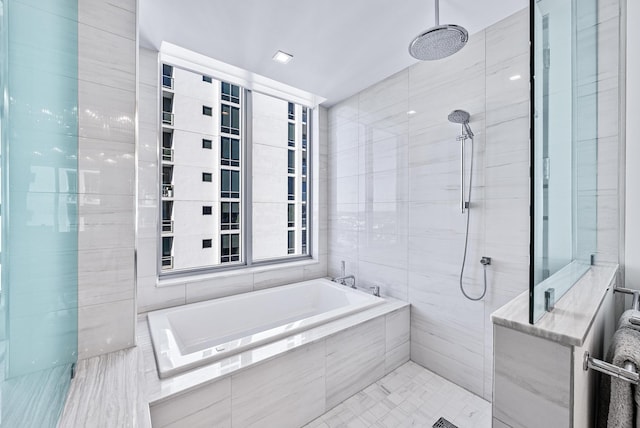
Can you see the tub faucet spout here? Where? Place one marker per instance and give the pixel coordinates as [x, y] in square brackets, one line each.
[343, 280]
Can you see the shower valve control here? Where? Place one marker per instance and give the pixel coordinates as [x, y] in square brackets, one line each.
[485, 261]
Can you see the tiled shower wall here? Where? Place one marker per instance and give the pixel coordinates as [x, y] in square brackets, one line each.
[106, 153]
[394, 201]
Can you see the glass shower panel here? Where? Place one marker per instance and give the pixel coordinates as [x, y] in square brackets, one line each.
[565, 146]
[39, 256]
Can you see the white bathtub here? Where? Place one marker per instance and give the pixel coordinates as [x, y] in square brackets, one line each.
[193, 335]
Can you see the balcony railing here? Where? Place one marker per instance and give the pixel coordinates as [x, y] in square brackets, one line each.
[167, 118]
[167, 226]
[167, 82]
[167, 262]
[167, 190]
[167, 154]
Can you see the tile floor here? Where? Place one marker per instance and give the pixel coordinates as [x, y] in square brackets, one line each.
[410, 396]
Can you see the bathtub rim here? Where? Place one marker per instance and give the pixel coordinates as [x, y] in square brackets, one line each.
[167, 369]
[160, 390]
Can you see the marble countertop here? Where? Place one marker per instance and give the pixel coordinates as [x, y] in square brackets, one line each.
[570, 320]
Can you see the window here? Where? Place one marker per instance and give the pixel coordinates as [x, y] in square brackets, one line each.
[262, 208]
[292, 134]
[292, 111]
[292, 162]
[230, 93]
[230, 183]
[230, 215]
[291, 242]
[167, 143]
[229, 151]
[304, 189]
[167, 76]
[167, 108]
[292, 188]
[291, 216]
[167, 214]
[230, 120]
[304, 136]
[304, 216]
[304, 162]
[229, 248]
[167, 258]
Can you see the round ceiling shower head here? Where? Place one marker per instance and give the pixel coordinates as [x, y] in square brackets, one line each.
[438, 42]
[459, 116]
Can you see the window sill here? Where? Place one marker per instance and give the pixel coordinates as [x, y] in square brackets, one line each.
[186, 278]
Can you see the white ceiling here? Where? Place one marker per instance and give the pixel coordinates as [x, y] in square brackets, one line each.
[339, 46]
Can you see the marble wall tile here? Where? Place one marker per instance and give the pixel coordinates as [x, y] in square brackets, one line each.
[218, 287]
[105, 275]
[348, 369]
[151, 297]
[272, 278]
[106, 114]
[316, 270]
[397, 356]
[396, 329]
[113, 65]
[115, 17]
[208, 405]
[105, 327]
[392, 281]
[287, 392]
[516, 380]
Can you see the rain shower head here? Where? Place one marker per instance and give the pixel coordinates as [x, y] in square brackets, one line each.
[461, 117]
[438, 42]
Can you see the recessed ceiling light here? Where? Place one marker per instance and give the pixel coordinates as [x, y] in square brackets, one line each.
[515, 77]
[282, 57]
[411, 112]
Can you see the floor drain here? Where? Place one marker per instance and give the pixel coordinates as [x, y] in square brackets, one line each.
[443, 423]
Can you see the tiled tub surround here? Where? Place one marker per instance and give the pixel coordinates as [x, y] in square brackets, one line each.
[287, 383]
[200, 333]
[394, 183]
[153, 294]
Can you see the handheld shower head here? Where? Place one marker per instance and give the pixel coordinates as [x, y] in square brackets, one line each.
[461, 117]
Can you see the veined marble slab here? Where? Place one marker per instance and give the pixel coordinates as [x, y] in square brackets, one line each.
[570, 320]
[108, 391]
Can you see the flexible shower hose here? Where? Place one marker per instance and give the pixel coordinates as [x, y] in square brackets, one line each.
[466, 237]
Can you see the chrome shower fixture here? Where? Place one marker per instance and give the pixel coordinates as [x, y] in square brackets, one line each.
[439, 41]
[462, 117]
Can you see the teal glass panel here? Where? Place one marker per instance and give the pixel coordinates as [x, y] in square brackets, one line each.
[565, 118]
[39, 256]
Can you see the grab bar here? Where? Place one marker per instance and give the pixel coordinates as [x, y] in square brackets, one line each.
[629, 373]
